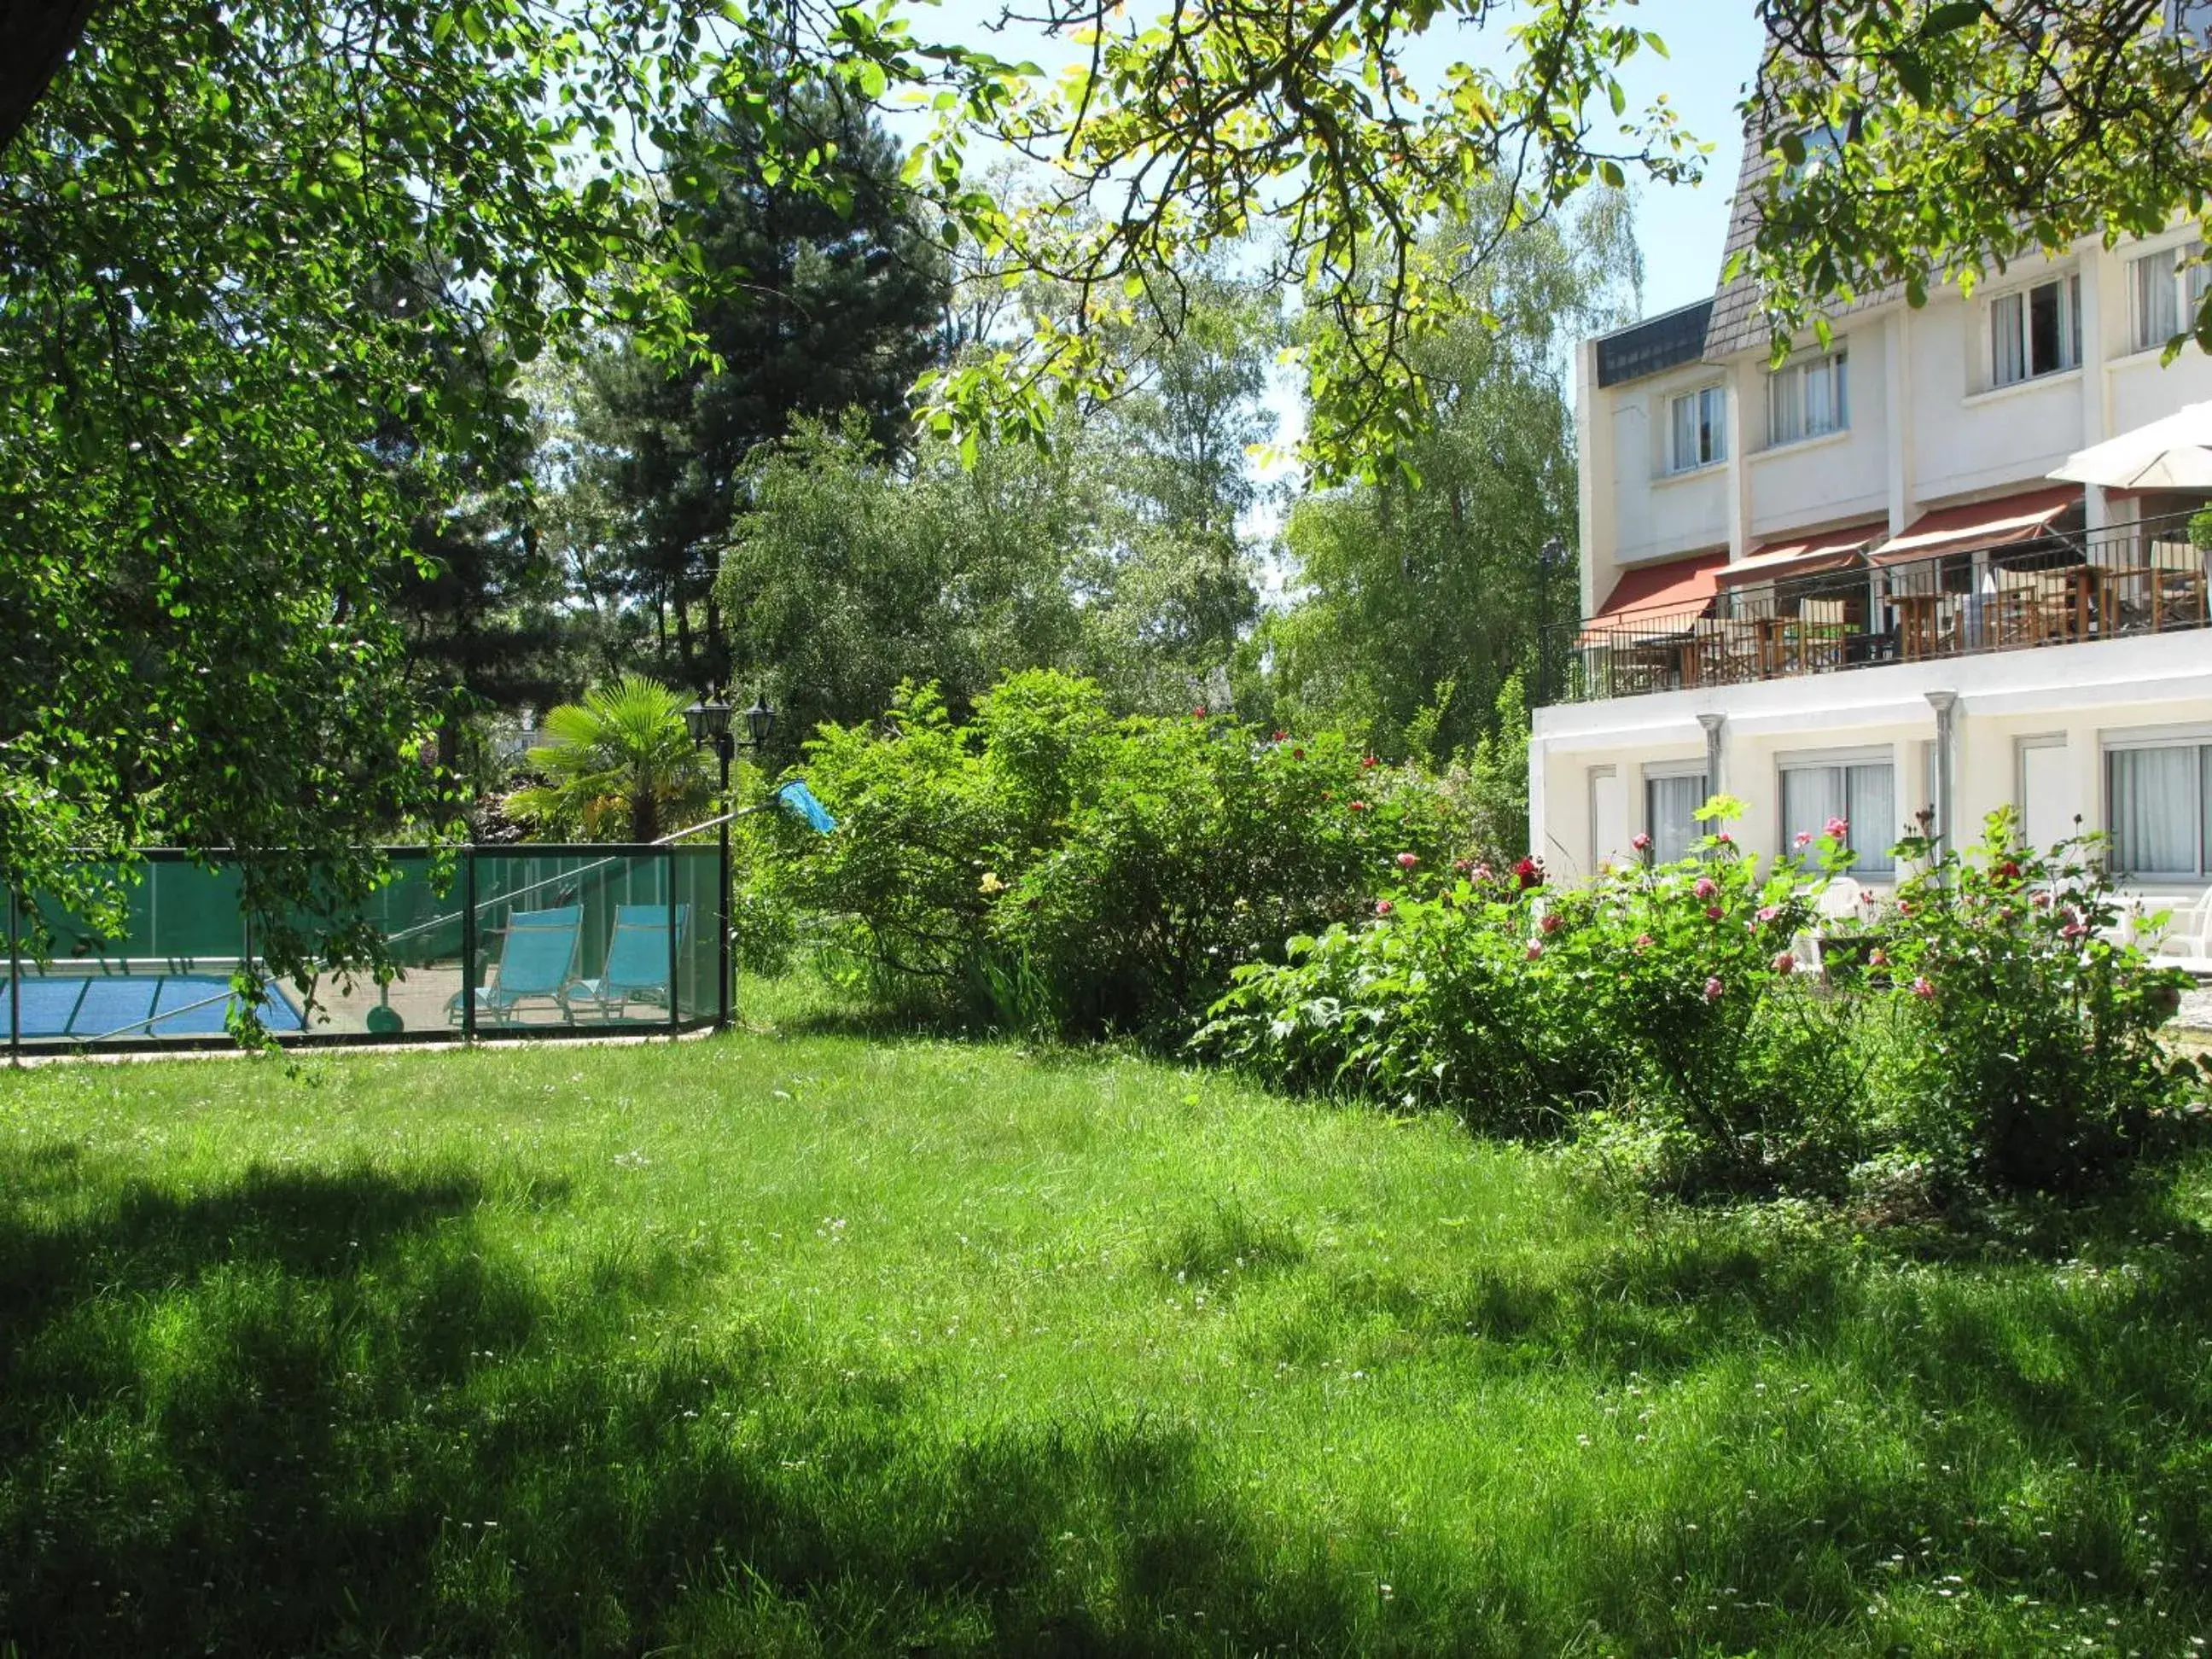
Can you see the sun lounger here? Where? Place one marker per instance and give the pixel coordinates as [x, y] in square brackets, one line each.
[638, 959]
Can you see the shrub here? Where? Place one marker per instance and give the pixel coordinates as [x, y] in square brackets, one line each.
[1671, 992]
[2027, 1057]
[1981, 1038]
[1050, 867]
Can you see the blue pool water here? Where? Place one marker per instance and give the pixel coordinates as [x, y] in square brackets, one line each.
[132, 1007]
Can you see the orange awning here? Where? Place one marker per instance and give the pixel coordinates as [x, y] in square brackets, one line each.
[2001, 523]
[1803, 556]
[1656, 600]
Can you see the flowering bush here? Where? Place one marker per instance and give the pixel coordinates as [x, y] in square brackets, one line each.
[1976, 1033]
[1050, 866]
[2026, 1054]
[1672, 991]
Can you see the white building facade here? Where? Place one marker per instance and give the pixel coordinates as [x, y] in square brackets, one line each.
[1850, 585]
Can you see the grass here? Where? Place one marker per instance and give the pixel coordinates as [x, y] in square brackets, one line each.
[798, 1342]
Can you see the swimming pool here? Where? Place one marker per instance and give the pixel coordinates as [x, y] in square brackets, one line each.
[86, 1008]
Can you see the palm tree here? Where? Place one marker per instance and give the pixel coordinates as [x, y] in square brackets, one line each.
[621, 760]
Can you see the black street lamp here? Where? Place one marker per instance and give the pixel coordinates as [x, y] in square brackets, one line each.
[1552, 555]
[708, 722]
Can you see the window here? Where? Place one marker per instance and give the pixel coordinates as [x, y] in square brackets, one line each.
[1697, 430]
[1670, 814]
[2164, 289]
[2047, 803]
[2035, 330]
[2155, 804]
[1808, 398]
[1863, 794]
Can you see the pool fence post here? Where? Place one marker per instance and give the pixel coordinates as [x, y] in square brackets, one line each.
[469, 943]
[675, 999]
[15, 981]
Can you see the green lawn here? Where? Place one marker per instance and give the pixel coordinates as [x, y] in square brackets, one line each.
[803, 1343]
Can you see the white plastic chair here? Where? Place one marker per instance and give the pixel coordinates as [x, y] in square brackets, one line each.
[2186, 940]
[1837, 902]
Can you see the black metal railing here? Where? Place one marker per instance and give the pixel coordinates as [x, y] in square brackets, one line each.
[2060, 589]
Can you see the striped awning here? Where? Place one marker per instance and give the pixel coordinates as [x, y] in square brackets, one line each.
[2001, 523]
[1814, 554]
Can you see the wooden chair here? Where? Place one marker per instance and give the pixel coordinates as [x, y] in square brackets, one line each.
[1740, 655]
[2017, 611]
[2177, 597]
[1823, 626]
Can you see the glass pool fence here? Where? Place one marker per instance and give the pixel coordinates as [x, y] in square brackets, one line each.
[486, 942]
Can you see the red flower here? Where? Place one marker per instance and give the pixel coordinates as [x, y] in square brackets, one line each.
[1551, 923]
[1713, 990]
[1369, 761]
[1784, 962]
[1281, 737]
[1383, 906]
[2005, 872]
[1712, 913]
[1360, 806]
[1530, 874]
[1407, 860]
[1298, 754]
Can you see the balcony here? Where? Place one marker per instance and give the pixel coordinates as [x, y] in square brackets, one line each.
[2064, 587]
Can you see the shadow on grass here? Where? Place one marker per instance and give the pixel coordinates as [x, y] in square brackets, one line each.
[325, 1413]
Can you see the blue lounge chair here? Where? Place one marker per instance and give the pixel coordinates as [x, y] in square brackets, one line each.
[535, 962]
[637, 963]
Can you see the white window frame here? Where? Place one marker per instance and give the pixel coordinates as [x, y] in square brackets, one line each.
[1660, 771]
[2185, 280]
[1675, 466]
[2020, 302]
[2197, 737]
[1790, 389]
[1812, 760]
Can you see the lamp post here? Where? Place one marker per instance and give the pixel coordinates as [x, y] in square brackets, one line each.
[1550, 557]
[708, 722]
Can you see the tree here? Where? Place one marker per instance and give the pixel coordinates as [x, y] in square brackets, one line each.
[1908, 144]
[848, 575]
[1418, 595]
[621, 761]
[809, 306]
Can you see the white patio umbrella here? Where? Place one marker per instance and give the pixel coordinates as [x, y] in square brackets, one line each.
[2173, 454]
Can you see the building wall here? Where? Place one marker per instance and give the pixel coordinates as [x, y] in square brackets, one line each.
[2065, 702]
[1926, 426]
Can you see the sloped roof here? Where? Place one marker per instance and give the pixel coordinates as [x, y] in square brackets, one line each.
[1739, 322]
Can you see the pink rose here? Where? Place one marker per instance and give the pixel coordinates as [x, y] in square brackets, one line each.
[1641, 841]
[1804, 838]
[1407, 860]
[1551, 923]
[1482, 873]
[1877, 958]
[1706, 887]
[1463, 865]
[1713, 989]
[1922, 988]
[1904, 907]
[1768, 912]
[2041, 900]
[1836, 829]
[1712, 913]
[1359, 805]
[1725, 839]
[1784, 962]
[1535, 949]
[1644, 941]
[1383, 906]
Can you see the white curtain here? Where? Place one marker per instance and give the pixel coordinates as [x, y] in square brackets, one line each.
[1670, 807]
[1682, 436]
[2156, 803]
[2157, 316]
[1871, 791]
[2007, 345]
[1865, 796]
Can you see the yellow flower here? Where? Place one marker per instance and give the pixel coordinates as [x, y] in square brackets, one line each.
[991, 883]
